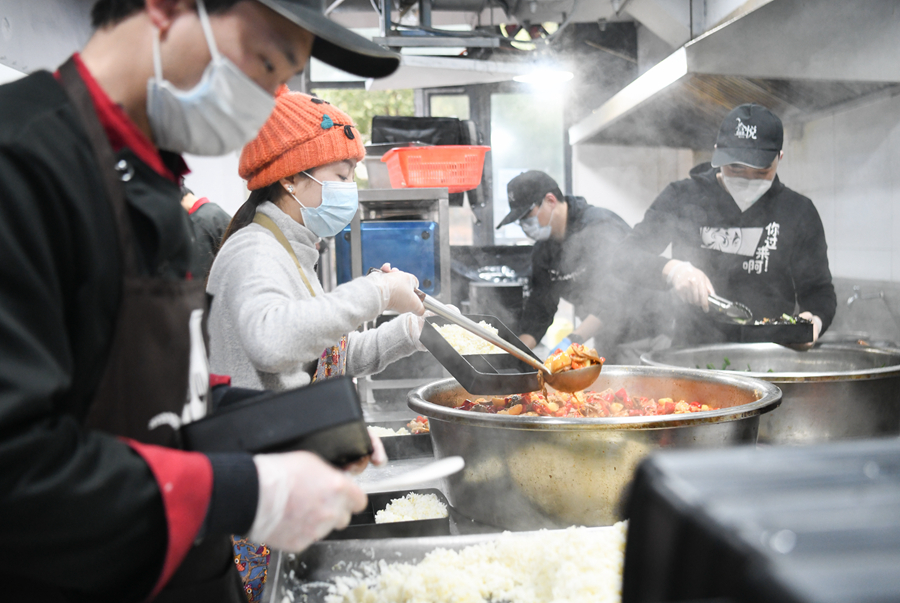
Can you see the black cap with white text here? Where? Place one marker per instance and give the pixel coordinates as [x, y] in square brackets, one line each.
[750, 135]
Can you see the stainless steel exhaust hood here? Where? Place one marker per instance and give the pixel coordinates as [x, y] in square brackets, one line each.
[797, 57]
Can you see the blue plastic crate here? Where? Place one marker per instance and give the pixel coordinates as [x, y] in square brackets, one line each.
[411, 246]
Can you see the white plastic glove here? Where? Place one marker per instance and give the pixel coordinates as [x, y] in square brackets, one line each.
[397, 290]
[301, 499]
[689, 283]
[817, 328]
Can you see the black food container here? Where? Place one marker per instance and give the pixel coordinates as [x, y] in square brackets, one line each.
[802, 332]
[362, 525]
[405, 446]
[785, 524]
[325, 418]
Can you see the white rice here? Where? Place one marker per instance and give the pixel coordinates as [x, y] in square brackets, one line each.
[575, 565]
[412, 507]
[386, 432]
[467, 343]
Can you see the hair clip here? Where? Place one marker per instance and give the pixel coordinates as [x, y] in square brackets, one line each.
[327, 123]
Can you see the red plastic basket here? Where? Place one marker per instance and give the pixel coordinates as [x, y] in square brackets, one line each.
[457, 167]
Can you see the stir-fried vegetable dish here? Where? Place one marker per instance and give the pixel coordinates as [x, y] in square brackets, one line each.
[608, 403]
[784, 319]
[418, 425]
[575, 357]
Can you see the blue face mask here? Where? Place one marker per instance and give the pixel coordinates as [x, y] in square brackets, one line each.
[533, 229]
[340, 200]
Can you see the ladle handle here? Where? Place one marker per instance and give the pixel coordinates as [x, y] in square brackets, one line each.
[444, 312]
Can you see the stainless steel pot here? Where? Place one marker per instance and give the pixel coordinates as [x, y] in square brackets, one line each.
[525, 473]
[831, 392]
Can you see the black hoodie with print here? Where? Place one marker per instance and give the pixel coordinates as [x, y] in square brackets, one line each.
[772, 257]
[578, 270]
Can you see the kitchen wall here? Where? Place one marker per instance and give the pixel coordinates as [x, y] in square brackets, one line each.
[626, 180]
[847, 162]
[217, 178]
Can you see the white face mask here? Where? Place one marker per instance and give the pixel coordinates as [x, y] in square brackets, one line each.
[745, 191]
[534, 230]
[222, 113]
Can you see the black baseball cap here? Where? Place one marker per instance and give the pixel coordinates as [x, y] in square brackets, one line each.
[750, 135]
[334, 43]
[524, 192]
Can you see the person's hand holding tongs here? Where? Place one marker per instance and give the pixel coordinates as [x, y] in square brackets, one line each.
[689, 283]
[692, 285]
[399, 289]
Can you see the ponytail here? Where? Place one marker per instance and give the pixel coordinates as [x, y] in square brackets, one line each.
[245, 214]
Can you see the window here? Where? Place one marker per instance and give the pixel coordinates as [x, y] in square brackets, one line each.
[526, 134]
[449, 105]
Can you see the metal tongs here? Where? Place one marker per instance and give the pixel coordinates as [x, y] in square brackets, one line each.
[728, 311]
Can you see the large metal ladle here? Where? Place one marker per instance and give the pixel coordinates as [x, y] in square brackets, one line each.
[566, 381]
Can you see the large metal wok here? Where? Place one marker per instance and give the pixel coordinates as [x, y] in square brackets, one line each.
[526, 473]
[831, 392]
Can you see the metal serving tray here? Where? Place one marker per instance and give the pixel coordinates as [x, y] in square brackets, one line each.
[482, 373]
[404, 446]
[306, 575]
[362, 525]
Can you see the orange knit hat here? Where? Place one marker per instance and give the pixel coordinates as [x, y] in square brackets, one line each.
[303, 132]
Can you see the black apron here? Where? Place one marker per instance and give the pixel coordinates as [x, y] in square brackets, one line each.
[143, 393]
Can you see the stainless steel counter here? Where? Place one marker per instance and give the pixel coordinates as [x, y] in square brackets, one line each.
[305, 576]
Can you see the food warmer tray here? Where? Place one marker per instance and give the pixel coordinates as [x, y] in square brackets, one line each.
[307, 574]
[482, 373]
[362, 525]
[404, 446]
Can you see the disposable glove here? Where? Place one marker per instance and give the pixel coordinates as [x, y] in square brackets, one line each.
[817, 328]
[301, 500]
[690, 284]
[397, 290]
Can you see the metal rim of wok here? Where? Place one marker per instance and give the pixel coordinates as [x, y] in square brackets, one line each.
[768, 399]
[650, 359]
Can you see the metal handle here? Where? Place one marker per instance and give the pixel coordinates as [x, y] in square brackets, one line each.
[443, 311]
[738, 312]
[719, 301]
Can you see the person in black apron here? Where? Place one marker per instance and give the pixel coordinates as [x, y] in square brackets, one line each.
[102, 322]
[272, 325]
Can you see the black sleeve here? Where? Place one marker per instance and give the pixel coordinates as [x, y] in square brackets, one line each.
[639, 261]
[543, 300]
[72, 496]
[83, 503]
[210, 222]
[809, 268]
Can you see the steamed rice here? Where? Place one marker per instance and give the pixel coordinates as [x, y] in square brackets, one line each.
[412, 507]
[467, 343]
[575, 565]
[387, 432]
